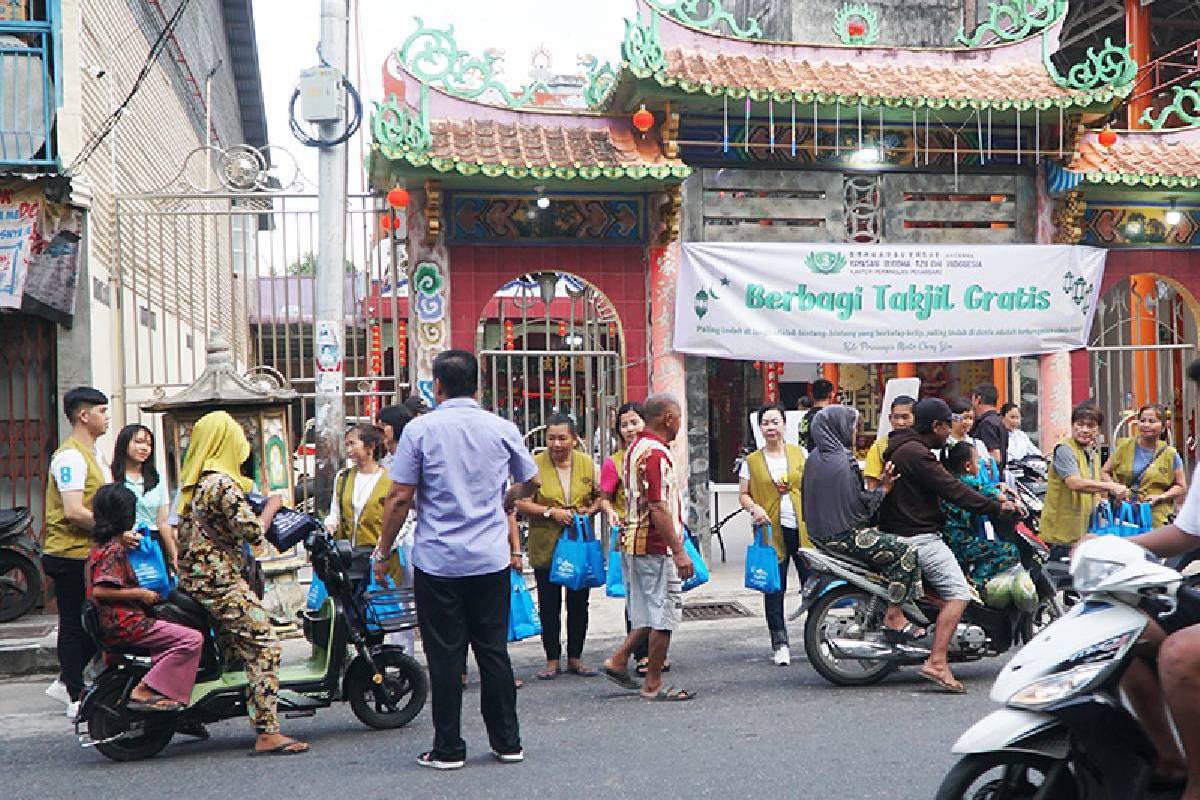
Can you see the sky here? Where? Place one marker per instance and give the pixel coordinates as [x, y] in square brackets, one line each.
[289, 30]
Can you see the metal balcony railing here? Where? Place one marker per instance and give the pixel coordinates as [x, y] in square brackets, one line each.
[28, 98]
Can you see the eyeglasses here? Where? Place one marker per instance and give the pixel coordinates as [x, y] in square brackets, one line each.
[957, 417]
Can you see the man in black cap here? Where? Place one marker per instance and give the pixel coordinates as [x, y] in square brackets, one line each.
[911, 509]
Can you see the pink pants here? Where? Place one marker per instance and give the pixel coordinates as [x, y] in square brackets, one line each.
[174, 655]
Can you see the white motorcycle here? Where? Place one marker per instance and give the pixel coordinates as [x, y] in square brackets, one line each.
[1064, 733]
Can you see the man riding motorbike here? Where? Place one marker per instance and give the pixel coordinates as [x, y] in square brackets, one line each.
[912, 510]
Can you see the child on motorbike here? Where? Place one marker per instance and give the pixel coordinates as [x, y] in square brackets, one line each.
[123, 606]
[981, 559]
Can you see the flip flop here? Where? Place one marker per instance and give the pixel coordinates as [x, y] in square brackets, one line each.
[547, 675]
[644, 663]
[282, 750]
[670, 695]
[622, 679]
[952, 688]
[904, 635]
[155, 703]
[583, 672]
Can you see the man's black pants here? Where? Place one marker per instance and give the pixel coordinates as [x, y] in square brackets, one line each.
[75, 647]
[452, 613]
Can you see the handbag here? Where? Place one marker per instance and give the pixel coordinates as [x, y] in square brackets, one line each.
[762, 563]
[596, 572]
[1145, 517]
[523, 619]
[701, 574]
[149, 566]
[1127, 520]
[577, 563]
[614, 584]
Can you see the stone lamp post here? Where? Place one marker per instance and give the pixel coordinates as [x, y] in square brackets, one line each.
[264, 412]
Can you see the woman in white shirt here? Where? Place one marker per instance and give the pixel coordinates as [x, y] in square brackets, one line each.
[1019, 444]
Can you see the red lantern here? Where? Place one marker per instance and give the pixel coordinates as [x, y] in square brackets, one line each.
[398, 197]
[612, 330]
[758, 365]
[643, 120]
[562, 329]
[387, 222]
[1107, 137]
[856, 29]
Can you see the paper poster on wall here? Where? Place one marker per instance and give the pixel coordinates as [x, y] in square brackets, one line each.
[19, 215]
[847, 303]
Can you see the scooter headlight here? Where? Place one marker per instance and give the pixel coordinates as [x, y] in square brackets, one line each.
[1053, 688]
[1089, 573]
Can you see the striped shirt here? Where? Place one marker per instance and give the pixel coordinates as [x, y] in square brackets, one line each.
[649, 478]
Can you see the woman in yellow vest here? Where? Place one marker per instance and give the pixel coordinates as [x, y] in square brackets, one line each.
[1074, 481]
[769, 483]
[356, 513]
[1151, 468]
[568, 487]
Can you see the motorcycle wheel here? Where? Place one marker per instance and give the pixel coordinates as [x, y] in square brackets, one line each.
[19, 585]
[840, 613]
[404, 681]
[1003, 776]
[110, 718]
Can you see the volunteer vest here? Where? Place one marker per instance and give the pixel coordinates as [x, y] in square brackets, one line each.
[1158, 477]
[544, 533]
[370, 525]
[1067, 513]
[618, 502]
[764, 492]
[63, 538]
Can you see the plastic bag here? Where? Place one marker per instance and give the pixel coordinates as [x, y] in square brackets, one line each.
[149, 566]
[614, 585]
[523, 619]
[762, 563]
[701, 574]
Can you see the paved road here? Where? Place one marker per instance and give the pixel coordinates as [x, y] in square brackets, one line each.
[756, 730]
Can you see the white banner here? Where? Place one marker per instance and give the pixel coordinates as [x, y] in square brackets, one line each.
[846, 303]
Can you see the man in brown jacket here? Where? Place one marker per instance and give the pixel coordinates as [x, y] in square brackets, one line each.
[912, 509]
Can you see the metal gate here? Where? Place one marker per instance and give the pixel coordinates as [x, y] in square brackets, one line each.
[550, 343]
[1120, 358]
[28, 423]
[230, 244]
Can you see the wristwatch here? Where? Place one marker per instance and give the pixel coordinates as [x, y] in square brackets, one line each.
[546, 513]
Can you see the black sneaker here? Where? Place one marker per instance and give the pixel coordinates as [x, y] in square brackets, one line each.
[509, 758]
[428, 760]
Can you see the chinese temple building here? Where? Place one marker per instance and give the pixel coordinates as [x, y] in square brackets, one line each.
[554, 222]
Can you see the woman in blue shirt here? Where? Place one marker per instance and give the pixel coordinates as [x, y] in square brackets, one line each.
[133, 465]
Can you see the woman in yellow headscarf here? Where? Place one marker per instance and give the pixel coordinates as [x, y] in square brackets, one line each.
[216, 523]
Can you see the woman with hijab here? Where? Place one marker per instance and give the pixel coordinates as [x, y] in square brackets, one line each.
[216, 524]
[838, 512]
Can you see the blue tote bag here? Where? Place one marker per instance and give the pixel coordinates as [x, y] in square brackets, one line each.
[316, 594]
[614, 585]
[596, 573]
[523, 619]
[569, 564]
[149, 566]
[762, 562]
[701, 574]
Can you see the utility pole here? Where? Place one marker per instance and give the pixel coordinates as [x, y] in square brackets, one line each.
[329, 326]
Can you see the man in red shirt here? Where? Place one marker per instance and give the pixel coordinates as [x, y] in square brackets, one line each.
[653, 561]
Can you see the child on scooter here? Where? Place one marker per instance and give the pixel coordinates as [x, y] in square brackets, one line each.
[981, 559]
[125, 623]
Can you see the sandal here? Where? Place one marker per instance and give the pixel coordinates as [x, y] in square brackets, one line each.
[951, 685]
[621, 678]
[292, 747]
[644, 663]
[581, 671]
[670, 695]
[155, 702]
[903, 635]
[548, 674]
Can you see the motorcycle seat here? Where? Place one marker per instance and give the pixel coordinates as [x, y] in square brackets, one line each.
[13, 519]
[182, 609]
[845, 558]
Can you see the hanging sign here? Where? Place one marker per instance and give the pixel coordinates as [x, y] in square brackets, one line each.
[862, 304]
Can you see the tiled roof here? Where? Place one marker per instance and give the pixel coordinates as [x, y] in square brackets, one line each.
[1020, 82]
[1140, 160]
[564, 152]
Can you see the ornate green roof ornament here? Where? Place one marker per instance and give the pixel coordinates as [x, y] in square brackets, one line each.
[688, 12]
[642, 50]
[398, 129]
[1112, 66]
[601, 80]
[434, 57]
[1013, 21]
[856, 23]
[1185, 105]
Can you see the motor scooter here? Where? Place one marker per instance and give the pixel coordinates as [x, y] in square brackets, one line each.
[1064, 733]
[20, 573]
[847, 599]
[385, 686]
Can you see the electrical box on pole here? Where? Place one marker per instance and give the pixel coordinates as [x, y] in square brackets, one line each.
[321, 96]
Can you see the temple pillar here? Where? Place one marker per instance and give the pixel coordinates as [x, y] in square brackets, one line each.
[428, 287]
[1054, 382]
[1137, 34]
[906, 369]
[1000, 379]
[1143, 323]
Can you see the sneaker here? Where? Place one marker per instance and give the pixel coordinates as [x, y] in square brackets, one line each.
[509, 758]
[427, 760]
[58, 691]
[73, 710]
[783, 656]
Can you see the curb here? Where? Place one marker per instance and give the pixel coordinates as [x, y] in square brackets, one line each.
[28, 659]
